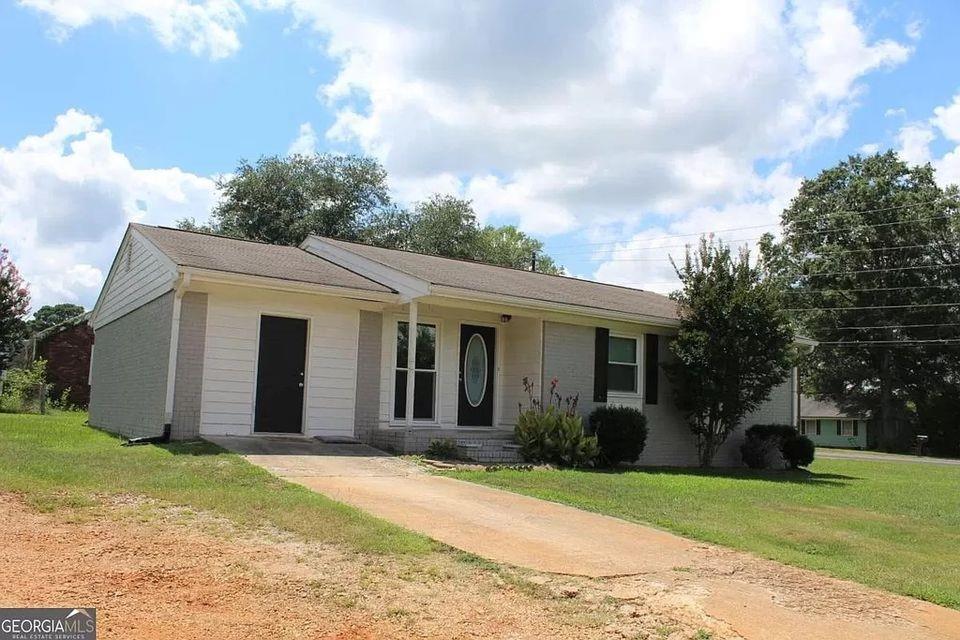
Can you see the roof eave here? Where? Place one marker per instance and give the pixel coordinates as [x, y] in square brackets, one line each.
[546, 305]
[281, 284]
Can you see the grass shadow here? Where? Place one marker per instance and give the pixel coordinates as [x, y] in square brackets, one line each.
[792, 476]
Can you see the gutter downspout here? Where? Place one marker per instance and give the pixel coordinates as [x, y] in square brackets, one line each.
[183, 281]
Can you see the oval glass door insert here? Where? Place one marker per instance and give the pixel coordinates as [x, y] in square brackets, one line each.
[475, 370]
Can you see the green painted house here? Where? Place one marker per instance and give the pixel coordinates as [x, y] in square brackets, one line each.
[828, 426]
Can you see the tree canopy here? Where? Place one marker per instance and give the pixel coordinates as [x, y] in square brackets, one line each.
[51, 315]
[282, 200]
[14, 303]
[733, 345]
[869, 257]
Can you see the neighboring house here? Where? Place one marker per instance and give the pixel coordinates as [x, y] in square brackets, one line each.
[216, 335]
[824, 423]
[66, 347]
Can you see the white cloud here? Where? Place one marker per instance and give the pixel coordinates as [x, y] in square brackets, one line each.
[589, 112]
[66, 197]
[305, 142]
[205, 28]
[914, 140]
[947, 119]
[869, 149]
[895, 112]
[914, 29]
[643, 259]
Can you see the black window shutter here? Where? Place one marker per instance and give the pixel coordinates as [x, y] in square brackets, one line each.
[839, 427]
[818, 427]
[651, 369]
[601, 355]
[856, 429]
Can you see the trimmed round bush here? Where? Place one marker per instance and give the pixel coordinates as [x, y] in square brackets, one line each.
[797, 451]
[621, 433]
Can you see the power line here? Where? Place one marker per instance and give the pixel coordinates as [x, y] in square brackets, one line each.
[774, 224]
[898, 326]
[891, 306]
[881, 270]
[943, 341]
[844, 251]
[911, 288]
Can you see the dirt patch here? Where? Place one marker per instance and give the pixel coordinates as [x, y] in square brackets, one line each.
[154, 571]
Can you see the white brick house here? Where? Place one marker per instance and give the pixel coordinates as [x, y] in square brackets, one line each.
[220, 336]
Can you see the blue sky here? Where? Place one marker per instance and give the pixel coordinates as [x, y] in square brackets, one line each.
[606, 129]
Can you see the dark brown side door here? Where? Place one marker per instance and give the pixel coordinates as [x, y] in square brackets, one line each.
[281, 366]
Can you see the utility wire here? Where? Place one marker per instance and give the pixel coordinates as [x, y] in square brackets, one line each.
[891, 306]
[944, 341]
[897, 326]
[881, 270]
[776, 224]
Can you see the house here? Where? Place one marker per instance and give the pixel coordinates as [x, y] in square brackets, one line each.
[66, 347]
[221, 336]
[828, 426]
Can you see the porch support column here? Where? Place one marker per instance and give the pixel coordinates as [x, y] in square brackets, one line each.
[411, 360]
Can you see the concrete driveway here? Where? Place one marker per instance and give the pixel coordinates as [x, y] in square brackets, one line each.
[753, 598]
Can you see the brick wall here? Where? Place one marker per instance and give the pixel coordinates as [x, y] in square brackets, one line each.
[188, 384]
[568, 357]
[366, 413]
[129, 372]
[67, 354]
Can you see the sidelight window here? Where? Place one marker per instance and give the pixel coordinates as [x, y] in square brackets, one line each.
[424, 375]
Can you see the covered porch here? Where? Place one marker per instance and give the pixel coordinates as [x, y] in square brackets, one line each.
[468, 365]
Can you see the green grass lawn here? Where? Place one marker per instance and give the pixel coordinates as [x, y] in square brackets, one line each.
[891, 525]
[55, 461]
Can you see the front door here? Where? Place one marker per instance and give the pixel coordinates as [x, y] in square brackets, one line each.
[280, 375]
[477, 349]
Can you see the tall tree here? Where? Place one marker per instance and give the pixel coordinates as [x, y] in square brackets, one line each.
[282, 200]
[14, 303]
[445, 225]
[871, 247]
[51, 315]
[510, 247]
[733, 345]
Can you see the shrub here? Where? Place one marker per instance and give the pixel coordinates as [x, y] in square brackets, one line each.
[798, 451]
[762, 440]
[24, 388]
[444, 449]
[621, 433]
[554, 433]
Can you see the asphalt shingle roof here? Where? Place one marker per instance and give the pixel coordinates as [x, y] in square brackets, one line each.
[219, 253]
[232, 255]
[487, 278]
[813, 408]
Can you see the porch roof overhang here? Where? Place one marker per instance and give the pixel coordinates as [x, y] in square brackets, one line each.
[411, 288]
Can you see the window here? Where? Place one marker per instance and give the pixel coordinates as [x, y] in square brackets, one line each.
[651, 368]
[425, 372]
[846, 428]
[806, 427]
[622, 365]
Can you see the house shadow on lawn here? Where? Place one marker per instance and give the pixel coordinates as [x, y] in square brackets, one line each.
[792, 476]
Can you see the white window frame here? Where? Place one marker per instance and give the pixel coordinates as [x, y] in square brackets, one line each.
[395, 421]
[846, 428]
[638, 354]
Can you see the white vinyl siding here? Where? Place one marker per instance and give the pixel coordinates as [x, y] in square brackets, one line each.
[230, 362]
[139, 275]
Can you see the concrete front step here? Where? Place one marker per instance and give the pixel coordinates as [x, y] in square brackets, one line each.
[499, 451]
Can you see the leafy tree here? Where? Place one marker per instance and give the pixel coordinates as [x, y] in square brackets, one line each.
[51, 315]
[282, 200]
[445, 225]
[870, 242]
[14, 303]
[733, 345]
[510, 247]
